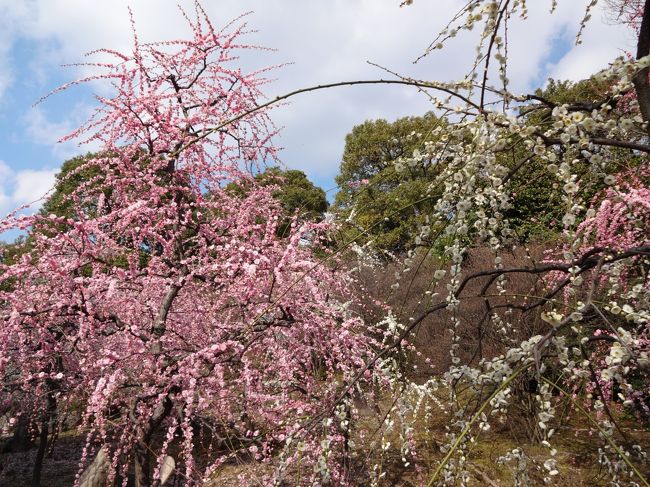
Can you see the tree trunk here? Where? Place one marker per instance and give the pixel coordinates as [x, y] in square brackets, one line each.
[42, 447]
[142, 460]
[21, 439]
[97, 472]
[640, 80]
[48, 416]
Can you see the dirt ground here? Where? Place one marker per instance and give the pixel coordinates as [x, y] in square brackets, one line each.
[577, 459]
[59, 469]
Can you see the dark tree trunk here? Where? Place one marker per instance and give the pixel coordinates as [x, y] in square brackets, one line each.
[40, 455]
[143, 449]
[641, 83]
[21, 439]
[48, 417]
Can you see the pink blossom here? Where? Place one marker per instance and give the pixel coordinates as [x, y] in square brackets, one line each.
[166, 301]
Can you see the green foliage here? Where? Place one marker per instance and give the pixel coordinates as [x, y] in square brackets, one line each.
[374, 197]
[295, 192]
[537, 208]
[59, 203]
[388, 207]
[74, 173]
[590, 90]
[10, 253]
[78, 186]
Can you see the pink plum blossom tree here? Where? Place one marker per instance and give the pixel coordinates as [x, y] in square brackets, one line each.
[166, 309]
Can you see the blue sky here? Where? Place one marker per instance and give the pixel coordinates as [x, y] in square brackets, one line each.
[323, 43]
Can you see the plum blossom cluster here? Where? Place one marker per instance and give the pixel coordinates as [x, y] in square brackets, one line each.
[588, 302]
[166, 307]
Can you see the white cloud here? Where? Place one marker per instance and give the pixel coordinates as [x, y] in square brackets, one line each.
[326, 41]
[25, 187]
[5, 76]
[7, 37]
[331, 42]
[601, 44]
[42, 130]
[31, 185]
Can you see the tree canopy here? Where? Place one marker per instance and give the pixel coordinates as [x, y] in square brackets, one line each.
[298, 196]
[381, 195]
[158, 302]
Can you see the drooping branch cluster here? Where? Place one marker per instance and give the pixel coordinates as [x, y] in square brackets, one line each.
[166, 306]
[581, 322]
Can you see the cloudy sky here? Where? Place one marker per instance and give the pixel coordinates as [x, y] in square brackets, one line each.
[324, 40]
